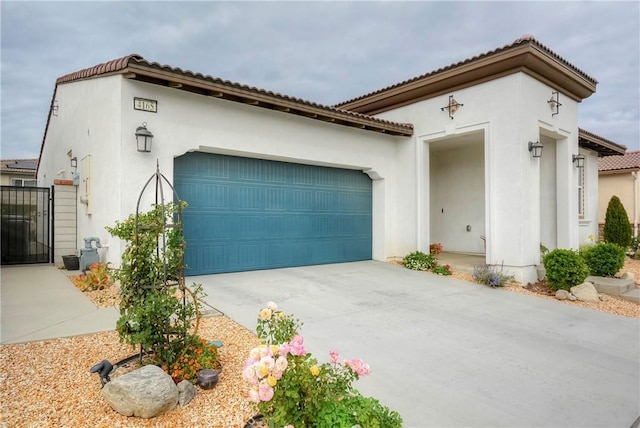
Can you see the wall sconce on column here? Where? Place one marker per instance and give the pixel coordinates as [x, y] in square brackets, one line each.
[535, 149]
[144, 137]
[74, 162]
[578, 161]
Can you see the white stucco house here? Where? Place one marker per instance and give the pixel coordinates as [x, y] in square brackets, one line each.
[273, 181]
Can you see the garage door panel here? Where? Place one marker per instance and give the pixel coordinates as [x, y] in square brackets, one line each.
[258, 214]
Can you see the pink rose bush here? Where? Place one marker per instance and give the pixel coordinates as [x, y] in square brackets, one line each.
[292, 390]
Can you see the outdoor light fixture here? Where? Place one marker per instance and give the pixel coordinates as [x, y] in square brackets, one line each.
[554, 103]
[535, 149]
[452, 107]
[144, 138]
[74, 162]
[578, 161]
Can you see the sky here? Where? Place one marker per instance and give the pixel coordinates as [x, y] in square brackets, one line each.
[326, 52]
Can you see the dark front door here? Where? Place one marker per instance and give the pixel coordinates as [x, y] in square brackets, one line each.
[25, 225]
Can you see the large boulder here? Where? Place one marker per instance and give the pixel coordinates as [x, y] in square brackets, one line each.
[585, 292]
[145, 392]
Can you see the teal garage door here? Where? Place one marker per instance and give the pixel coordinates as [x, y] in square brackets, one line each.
[249, 214]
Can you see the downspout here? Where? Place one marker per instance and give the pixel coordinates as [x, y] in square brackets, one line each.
[635, 203]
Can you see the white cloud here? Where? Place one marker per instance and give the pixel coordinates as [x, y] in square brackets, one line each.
[321, 51]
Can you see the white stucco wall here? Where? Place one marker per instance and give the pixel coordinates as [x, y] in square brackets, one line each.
[87, 123]
[490, 133]
[510, 111]
[457, 196]
[101, 122]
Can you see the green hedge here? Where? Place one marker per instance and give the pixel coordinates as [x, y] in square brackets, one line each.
[604, 258]
[564, 269]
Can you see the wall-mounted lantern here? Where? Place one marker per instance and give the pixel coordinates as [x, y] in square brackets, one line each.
[535, 149]
[74, 162]
[452, 107]
[554, 103]
[578, 161]
[144, 137]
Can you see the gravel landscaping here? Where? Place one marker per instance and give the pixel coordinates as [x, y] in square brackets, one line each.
[48, 384]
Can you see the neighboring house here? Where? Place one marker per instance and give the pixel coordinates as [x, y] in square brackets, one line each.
[618, 175]
[276, 181]
[18, 172]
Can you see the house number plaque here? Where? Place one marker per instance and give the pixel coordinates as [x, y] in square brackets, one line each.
[145, 105]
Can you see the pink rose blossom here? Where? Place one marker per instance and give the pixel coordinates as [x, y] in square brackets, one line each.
[284, 349]
[281, 363]
[358, 366]
[297, 348]
[265, 392]
[253, 395]
[334, 355]
[249, 374]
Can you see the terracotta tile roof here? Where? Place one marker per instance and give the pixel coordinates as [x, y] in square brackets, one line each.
[19, 166]
[134, 66]
[524, 40]
[99, 70]
[628, 161]
[135, 62]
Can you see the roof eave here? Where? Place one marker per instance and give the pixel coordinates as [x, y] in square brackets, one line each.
[600, 145]
[247, 95]
[527, 58]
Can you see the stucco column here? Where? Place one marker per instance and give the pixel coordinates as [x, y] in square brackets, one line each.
[567, 199]
[378, 217]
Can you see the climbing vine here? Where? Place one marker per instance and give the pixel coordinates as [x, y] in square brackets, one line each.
[157, 311]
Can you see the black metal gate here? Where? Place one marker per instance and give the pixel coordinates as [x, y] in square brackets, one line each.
[26, 225]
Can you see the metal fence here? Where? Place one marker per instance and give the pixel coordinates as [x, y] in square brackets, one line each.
[25, 225]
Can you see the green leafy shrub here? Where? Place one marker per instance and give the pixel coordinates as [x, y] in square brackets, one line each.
[617, 228]
[604, 258]
[158, 311]
[491, 276]
[441, 269]
[419, 261]
[564, 269]
[635, 243]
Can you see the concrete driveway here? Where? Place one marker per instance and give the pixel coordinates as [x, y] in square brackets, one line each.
[446, 353]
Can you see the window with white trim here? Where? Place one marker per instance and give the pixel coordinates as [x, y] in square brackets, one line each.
[581, 193]
[23, 182]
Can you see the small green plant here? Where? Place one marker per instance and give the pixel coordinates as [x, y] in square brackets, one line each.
[543, 250]
[565, 269]
[198, 355]
[491, 276]
[604, 258]
[617, 228]
[441, 270]
[635, 243]
[97, 278]
[419, 261]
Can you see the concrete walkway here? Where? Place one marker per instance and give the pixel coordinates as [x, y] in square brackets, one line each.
[446, 353]
[39, 302]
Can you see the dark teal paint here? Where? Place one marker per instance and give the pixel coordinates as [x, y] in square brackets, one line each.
[249, 214]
